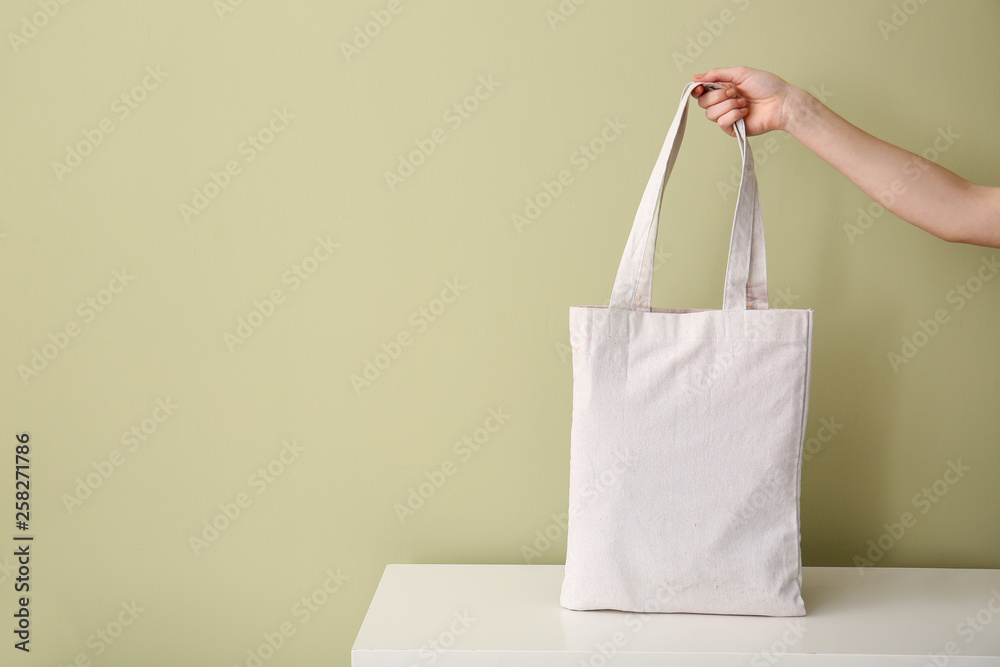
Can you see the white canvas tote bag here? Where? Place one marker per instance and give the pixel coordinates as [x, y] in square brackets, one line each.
[687, 432]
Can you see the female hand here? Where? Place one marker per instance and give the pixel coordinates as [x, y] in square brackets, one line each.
[943, 203]
[762, 99]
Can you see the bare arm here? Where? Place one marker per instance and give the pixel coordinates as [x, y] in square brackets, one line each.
[911, 187]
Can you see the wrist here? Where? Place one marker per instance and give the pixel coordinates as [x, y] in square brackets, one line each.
[799, 110]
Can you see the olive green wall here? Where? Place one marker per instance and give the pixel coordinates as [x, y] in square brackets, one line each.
[232, 297]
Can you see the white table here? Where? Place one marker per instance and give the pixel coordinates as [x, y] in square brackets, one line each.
[472, 615]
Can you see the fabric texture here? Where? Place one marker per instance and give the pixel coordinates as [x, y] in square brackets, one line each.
[687, 432]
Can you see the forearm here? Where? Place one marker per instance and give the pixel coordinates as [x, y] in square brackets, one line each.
[910, 186]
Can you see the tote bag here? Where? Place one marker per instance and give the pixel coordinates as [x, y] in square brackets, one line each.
[687, 432]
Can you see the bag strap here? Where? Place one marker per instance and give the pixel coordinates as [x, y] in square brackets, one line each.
[746, 271]
[746, 274]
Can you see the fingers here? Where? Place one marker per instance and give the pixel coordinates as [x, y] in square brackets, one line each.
[729, 118]
[730, 74]
[724, 107]
[708, 97]
[716, 111]
[702, 90]
[727, 105]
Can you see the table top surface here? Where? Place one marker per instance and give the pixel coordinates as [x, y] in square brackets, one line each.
[850, 611]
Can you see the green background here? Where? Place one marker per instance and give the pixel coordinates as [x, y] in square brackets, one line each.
[500, 345]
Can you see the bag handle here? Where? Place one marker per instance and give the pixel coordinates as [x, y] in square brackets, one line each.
[746, 274]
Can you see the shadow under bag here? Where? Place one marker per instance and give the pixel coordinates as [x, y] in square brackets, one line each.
[687, 432]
